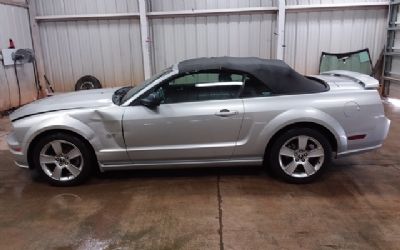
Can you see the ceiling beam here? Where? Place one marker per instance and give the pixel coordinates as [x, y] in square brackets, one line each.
[208, 12]
[13, 3]
[336, 6]
[87, 17]
[211, 12]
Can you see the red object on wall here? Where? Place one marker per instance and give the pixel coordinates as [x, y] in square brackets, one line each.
[11, 46]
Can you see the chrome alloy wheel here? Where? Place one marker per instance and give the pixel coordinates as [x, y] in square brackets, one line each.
[301, 156]
[61, 160]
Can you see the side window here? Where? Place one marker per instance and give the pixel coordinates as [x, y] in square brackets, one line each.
[254, 88]
[202, 86]
[195, 78]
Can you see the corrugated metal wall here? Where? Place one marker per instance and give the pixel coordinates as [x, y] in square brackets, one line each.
[395, 69]
[168, 5]
[305, 2]
[308, 34]
[14, 23]
[108, 49]
[111, 49]
[176, 39]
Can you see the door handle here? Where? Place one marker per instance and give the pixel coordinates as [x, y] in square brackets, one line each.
[226, 113]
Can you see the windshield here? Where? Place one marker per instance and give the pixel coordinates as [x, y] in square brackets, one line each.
[141, 86]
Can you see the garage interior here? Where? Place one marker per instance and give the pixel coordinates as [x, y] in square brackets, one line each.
[354, 205]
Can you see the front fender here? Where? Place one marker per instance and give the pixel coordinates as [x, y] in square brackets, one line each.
[101, 127]
[37, 125]
[312, 115]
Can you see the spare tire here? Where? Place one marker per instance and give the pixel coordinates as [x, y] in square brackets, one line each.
[87, 82]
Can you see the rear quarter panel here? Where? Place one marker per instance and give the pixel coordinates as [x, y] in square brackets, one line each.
[344, 113]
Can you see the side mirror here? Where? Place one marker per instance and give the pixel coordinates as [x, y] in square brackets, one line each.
[151, 101]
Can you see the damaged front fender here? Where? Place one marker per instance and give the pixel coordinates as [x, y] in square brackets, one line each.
[101, 127]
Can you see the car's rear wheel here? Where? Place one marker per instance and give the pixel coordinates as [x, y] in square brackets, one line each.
[300, 155]
[62, 159]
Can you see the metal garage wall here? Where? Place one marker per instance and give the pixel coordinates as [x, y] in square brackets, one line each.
[111, 49]
[14, 23]
[176, 39]
[108, 49]
[305, 2]
[395, 69]
[168, 5]
[308, 34]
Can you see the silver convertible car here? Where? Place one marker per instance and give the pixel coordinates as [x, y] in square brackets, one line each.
[203, 112]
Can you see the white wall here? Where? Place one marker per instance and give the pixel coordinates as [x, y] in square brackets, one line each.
[111, 49]
[14, 24]
[176, 39]
[308, 34]
[108, 49]
[305, 2]
[167, 5]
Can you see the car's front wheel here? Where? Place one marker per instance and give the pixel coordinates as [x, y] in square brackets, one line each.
[300, 155]
[62, 159]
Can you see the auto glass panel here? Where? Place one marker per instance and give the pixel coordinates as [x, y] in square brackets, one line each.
[237, 78]
[358, 61]
[141, 86]
[196, 78]
[202, 87]
[254, 88]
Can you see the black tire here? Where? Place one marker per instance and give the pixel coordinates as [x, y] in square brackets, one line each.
[87, 82]
[274, 159]
[86, 159]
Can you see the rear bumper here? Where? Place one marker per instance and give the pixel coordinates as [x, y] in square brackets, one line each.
[16, 149]
[386, 128]
[358, 151]
[373, 141]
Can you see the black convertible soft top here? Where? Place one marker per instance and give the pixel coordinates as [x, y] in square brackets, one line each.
[276, 74]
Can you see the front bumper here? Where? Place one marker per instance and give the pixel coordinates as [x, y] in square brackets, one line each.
[17, 149]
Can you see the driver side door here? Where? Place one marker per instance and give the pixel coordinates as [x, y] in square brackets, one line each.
[199, 118]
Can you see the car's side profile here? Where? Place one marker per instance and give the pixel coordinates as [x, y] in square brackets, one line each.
[203, 112]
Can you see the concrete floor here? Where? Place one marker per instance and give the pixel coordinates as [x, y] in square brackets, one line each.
[355, 205]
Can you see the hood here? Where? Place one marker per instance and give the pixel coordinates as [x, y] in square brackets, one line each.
[81, 99]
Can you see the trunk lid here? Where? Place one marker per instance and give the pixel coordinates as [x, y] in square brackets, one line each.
[339, 80]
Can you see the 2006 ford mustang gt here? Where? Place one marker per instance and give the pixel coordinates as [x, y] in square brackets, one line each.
[203, 112]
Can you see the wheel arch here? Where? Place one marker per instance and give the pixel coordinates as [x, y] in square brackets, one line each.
[45, 133]
[312, 125]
